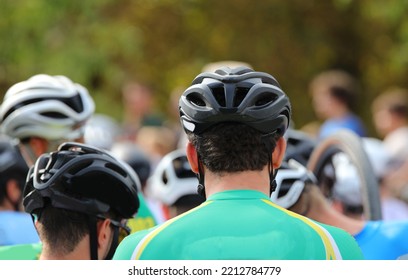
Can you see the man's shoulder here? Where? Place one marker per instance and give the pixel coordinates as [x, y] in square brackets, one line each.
[21, 252]
[346, 243]
[128, 245]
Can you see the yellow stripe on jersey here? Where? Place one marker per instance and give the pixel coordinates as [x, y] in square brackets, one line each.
[332, 251]
[146, 240]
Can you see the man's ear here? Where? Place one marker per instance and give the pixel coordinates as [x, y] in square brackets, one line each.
[279, 152]
[104, 233]
[192, 157]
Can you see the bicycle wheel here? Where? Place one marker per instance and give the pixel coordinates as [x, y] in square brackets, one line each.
[349, 143]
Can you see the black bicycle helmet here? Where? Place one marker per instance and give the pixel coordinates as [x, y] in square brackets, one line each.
[12, 167]
[82, 178]
[299, 146]
[10, 159]
[239, 95]
[133, 155]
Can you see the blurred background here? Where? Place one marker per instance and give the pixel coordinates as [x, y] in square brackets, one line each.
[103, 44]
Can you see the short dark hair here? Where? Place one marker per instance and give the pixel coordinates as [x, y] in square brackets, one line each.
[233, 147]
[62, 229]
[394, 100]
[343, 95]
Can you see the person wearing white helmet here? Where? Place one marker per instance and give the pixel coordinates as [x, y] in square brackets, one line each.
[297, 192]
[347, 196]
[174, 184]
[43, 112]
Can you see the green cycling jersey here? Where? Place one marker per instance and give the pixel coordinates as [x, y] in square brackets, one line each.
[144, 218]
[21, 252]
[239, 224]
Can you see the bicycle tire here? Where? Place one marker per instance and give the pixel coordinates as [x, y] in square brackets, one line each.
[350, 143]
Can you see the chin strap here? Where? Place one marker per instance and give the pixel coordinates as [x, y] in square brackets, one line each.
[114, 244]
[200, 177]
[272, 174]
[28, 154]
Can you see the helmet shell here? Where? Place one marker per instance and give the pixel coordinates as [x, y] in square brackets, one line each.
[235, 95]
[50, 107]
[172, 178]
[82, 178]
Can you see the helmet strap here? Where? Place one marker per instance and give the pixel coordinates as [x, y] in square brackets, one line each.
[28, 153]
[200, 176]
[272, 174]
[93, 237]
[114, 243]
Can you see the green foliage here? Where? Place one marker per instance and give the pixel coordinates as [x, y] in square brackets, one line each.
[103, 43]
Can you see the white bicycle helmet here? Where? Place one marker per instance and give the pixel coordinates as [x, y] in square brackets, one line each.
[290, 182]
[172, 179]
[50, 107]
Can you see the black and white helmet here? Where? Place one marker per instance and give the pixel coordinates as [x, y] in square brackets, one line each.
[50, 107]
[172, 178]
[290, 182]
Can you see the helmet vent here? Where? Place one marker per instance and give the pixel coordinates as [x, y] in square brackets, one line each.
[182, 168]
[116, 169]
[219, 95]
[79, 167]
[285, 187]
[54, 115]
[165, 178]
[265, 99]
[240, 94]
[195, 99]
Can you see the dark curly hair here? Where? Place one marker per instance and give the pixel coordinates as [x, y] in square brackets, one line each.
[233, 147]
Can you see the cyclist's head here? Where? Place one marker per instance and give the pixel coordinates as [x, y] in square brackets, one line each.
[347, 185]
[68, 190]
[233, 117]
[173, 183]
[133, 155]
[12, 167]
[291, 181]
[48, 107]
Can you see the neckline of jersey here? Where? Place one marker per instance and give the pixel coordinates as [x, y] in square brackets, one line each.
[237, 194]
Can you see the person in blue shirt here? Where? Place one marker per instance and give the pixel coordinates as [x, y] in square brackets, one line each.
[334, 94]
[16, 226]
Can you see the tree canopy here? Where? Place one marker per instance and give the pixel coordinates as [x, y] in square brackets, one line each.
[103, 43]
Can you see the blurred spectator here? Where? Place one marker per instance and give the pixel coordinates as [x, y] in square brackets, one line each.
[390, 116]
[156, 142]
[334, 94]
[347, 196]
[138, 102]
